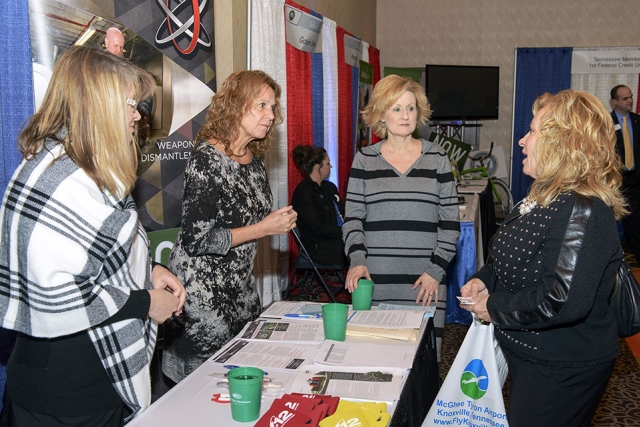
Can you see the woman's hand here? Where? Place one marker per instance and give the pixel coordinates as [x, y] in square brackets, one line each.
[428, 289]
[280, 221]
[473, 288]
[162, 278]
[479, 294]
[354, 274]
[163, 305]
[479, 308]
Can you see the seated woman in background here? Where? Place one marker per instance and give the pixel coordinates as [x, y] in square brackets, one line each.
[319, 207]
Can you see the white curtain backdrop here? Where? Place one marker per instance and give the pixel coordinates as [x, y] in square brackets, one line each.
[330, 92]
[268, 53]
[600, 85]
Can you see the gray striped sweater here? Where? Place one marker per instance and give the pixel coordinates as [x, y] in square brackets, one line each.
[401, 225]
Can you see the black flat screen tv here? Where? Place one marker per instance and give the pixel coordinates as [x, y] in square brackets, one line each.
[462, 92]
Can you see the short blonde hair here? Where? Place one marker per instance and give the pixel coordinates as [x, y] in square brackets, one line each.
[386, 92]
[87, 96]
[576, 150]
[230, 104]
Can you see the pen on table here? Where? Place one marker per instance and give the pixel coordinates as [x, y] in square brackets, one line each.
[225, 379]
[236, 366]
[304, 316]
[265, 385]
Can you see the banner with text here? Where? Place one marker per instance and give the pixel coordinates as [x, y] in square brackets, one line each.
[624, 60]
[352, 50]
[303, 30]
[456, 150]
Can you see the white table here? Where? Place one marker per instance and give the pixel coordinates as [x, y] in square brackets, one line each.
[189, 402]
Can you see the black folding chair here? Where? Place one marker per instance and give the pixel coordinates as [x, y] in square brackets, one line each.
[304, 263]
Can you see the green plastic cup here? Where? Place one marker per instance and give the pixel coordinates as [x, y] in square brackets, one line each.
[361, 296]
[334, 320]
[245, 390]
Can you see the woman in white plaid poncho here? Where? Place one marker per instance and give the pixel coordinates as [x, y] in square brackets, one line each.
[75, 274]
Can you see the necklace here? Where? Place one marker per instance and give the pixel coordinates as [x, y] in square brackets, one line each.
[239, 155]
[527, 205]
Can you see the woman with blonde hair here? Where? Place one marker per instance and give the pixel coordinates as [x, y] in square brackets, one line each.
[226, 206]
[553, 266]
[77, 283]
[401, 222]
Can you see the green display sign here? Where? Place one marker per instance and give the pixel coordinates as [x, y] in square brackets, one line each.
[456, 150]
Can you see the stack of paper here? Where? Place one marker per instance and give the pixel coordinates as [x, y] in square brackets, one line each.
[394, 334]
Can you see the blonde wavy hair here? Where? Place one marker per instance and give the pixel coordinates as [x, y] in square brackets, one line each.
[575, 150]
[385, 93]
[229, 105]
[87, 97]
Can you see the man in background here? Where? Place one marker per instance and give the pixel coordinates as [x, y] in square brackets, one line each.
[114, 41]
[627, 126]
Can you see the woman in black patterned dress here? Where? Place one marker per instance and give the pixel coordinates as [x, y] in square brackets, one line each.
[226, 206]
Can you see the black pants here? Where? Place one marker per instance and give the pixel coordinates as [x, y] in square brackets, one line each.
[15, 416]
[555, 397]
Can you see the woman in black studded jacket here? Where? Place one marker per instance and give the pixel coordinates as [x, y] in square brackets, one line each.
[553, 264]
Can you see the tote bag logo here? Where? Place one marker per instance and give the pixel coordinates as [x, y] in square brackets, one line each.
[474, 381]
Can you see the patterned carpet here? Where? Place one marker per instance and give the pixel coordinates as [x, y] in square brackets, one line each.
[308, 288]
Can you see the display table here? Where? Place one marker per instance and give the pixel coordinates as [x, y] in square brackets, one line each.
[189, 402]
[468, 258]
[477, 226]
[486, 211]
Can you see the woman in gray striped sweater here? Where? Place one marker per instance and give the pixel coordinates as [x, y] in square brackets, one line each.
[401, 223]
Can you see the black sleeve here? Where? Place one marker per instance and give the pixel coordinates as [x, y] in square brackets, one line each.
[487, 275]
[311, 217]
[136, 307]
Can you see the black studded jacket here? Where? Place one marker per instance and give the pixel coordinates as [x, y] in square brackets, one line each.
[550, 274]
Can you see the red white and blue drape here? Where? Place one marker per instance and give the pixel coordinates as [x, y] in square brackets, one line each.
[320, 96]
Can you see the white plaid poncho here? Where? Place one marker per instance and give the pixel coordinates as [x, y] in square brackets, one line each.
[69, 256]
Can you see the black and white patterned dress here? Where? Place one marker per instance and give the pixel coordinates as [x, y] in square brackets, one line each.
[219, 195]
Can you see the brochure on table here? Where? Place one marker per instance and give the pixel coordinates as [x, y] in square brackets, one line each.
[281, 309]
[394, 319]
[283, 331]
[350, 382]
[337, 353]
[266, 355]
[429, 311]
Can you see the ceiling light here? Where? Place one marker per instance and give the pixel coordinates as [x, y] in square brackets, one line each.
[86, 35]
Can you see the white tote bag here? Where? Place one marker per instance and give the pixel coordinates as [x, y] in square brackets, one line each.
[472, 391]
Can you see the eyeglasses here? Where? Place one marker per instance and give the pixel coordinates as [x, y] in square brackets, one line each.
[132, 102]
